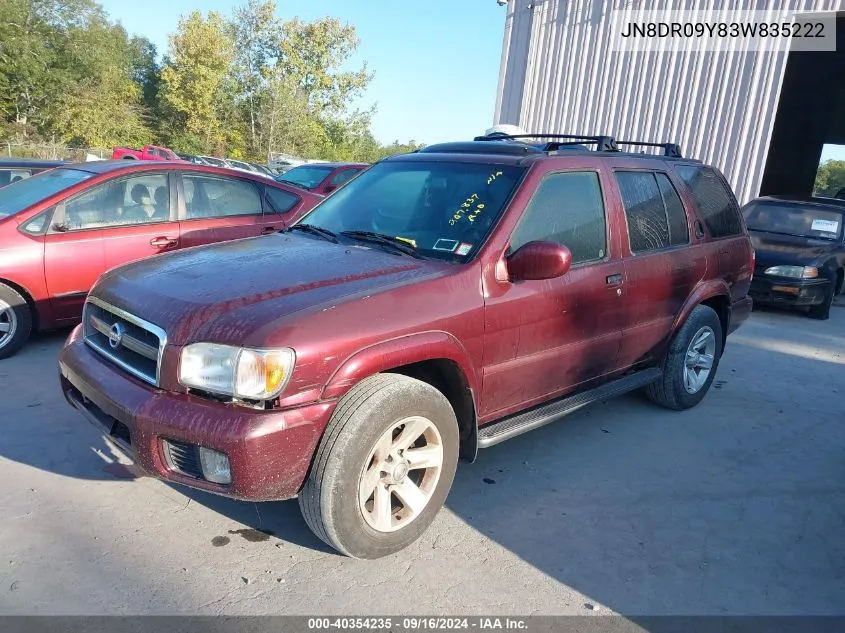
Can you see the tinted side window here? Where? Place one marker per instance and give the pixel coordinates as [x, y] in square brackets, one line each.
[141, 199]
[648, 228]
[8, 176]
[678, 226]
[343, 176]
[219, 197]
[282, 201]
[568, 209]
[716, 204]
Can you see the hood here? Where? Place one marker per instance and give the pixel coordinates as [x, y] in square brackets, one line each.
[773, 249]
[225, 292]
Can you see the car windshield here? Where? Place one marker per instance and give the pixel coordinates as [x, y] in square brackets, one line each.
[443, 210]
[20, 195]
[795, 220]
[307, 176]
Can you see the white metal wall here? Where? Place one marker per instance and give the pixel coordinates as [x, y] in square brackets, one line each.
[559, 75]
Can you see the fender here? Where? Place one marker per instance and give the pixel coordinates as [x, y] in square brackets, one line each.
[701, 293]
[400, 351]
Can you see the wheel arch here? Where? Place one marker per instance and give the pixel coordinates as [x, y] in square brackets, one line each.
[30, 302]
[715, 295]
[436, 358]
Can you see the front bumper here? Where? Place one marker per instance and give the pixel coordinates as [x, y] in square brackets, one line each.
[781, 291]
[269, 451]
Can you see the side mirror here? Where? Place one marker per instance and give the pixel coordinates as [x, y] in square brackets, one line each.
[330, 188]
[539, 260]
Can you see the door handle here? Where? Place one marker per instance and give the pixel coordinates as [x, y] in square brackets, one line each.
[699, 230]
[163, 242]
[614, 280]
[267, 230]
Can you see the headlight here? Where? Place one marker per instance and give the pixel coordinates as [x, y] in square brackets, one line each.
[797, 272]
[251, 374]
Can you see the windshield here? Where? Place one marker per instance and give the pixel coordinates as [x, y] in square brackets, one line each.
[306, 176]
[443, 210]
[795, 220]
[20, 195]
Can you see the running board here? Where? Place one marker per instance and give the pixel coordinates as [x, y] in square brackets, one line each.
[505, 429]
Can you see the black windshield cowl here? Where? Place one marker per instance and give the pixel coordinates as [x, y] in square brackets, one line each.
[315, 230]
[395, 243]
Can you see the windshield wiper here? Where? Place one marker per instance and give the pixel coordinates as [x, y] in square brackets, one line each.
[806, 237]
[315, 230]
[395, 243]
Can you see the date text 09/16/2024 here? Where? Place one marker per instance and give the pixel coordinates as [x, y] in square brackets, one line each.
[416, 623]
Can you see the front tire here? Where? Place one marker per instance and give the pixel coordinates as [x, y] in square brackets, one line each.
[383, 468]
[15, 321]
[822, 311]
[690, 365]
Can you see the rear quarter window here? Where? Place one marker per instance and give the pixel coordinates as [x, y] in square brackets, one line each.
[717, 206]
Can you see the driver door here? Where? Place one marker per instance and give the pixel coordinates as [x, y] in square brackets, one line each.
[544, 338]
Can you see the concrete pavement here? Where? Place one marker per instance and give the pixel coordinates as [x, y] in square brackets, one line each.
[735, 507]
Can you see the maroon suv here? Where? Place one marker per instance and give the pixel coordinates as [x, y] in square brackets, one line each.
[441, 302]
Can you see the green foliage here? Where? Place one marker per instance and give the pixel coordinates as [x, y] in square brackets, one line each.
[830, 178]
[247, 86]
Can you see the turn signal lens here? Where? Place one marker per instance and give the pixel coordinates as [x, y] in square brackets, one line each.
[262, 374]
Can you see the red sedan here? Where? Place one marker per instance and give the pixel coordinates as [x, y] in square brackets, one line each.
[60, 230]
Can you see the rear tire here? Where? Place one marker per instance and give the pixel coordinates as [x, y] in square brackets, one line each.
[15, 321]
[366, 495]
[686, 376]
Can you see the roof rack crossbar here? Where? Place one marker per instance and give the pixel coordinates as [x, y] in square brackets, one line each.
[669, 149]
[603, 143]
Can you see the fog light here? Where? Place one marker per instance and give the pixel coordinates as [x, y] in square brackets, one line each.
[215, 466]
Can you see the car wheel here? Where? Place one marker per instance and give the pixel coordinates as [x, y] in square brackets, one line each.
[822, 311]
[691, 363]
[383, 467]
[15, 321]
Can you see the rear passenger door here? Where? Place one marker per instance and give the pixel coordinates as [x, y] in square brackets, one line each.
[661, 267]
[729, 252]
[217, 208]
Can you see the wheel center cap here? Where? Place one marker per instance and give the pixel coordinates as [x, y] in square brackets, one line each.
[400, 471]
[695, 358]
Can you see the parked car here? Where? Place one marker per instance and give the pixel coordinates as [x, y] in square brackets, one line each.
[441, 302]
[149, 152]
[15, 169]
[800, 251]
[239, 164]
[191, 158]
[322, 178]
[61, 229]
[264, 170]
[211, 160]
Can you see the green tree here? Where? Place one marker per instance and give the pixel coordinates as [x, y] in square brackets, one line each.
[256, 29]
[311, 53]
[194, 80]
[103, 111]
[830, 178]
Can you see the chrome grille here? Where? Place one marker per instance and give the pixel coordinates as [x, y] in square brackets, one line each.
[131, 343]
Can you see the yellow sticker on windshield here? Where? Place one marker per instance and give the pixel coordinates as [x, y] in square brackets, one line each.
[407, 239]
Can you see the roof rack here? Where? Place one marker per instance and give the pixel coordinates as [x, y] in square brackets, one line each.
[603, 143]
[673, 150]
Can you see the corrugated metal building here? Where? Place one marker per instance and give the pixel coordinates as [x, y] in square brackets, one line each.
[559, 74]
